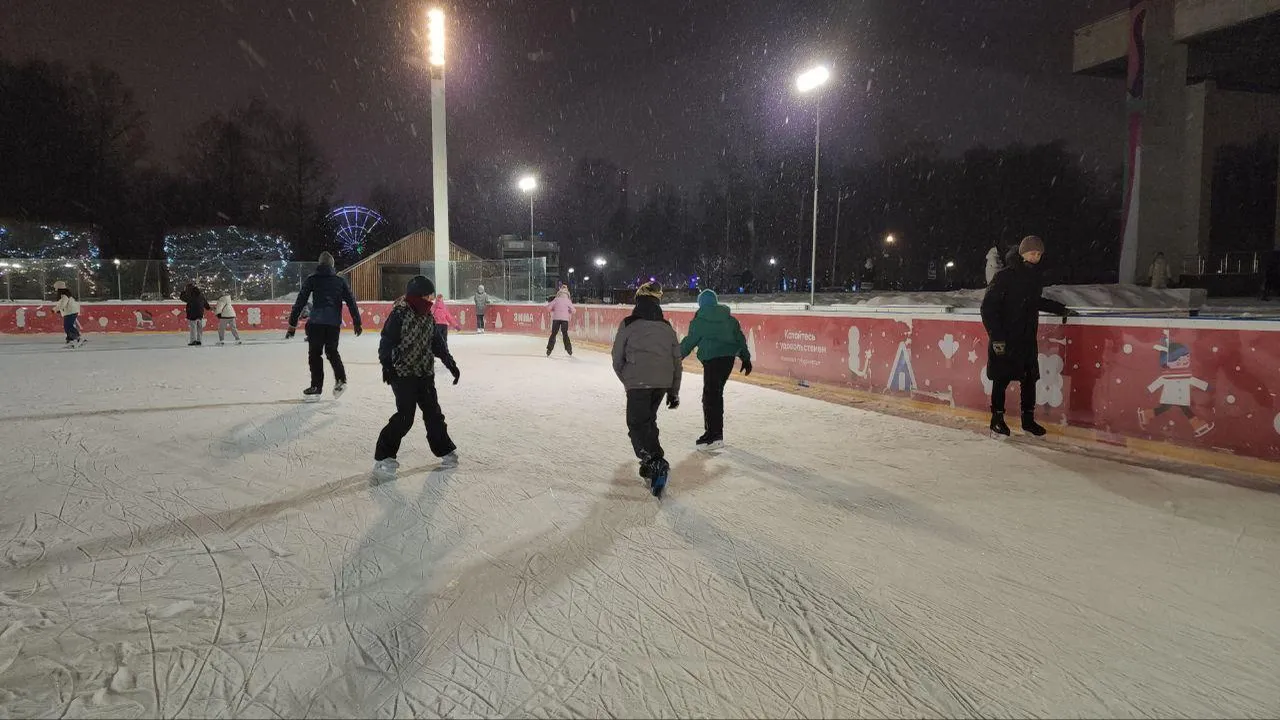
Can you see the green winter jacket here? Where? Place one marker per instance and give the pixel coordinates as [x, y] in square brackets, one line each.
[716, 334]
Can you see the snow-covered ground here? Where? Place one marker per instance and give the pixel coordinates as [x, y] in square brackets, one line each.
[182, 537]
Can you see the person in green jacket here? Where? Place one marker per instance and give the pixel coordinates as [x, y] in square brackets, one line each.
[719, 339]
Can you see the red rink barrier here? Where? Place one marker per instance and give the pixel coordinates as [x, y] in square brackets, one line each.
[1202, 384]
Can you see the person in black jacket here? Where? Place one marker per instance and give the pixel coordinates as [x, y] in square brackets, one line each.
[197, 306]
[327, 292]
[1011, 313]
[407, 352]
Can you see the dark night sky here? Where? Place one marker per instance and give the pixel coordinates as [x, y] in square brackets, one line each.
[662, 87]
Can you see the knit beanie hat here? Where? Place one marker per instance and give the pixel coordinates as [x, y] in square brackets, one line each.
[1030, 243]
[59, 285]
[420, 286]
[650, 289]
[326, 258]
[707, 299]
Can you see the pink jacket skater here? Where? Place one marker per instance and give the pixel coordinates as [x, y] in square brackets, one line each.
[440, 313]
[561, 313]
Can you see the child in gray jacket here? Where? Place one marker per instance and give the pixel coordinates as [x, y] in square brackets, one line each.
[647, 359]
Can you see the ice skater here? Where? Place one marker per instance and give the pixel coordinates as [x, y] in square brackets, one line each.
[646, 357]
[69, 308]
[718, 337]
[407, 352]
[482, 306]
[443, 318]
[327, 292]
[1011, 314]
[562, 310]
[197, 306]
[226, 314]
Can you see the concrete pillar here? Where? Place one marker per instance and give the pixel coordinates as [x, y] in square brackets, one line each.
[1198, 158]
[1161, 190]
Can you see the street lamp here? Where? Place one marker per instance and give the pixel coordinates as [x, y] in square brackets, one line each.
[528, 184]
[119, 285]
[601, 263]
[809, 81]
[890, 239]
[439, 153]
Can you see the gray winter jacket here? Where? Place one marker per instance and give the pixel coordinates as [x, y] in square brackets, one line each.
[646, 355]
[482, 302]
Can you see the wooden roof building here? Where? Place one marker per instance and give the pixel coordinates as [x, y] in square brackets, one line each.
[382, 275]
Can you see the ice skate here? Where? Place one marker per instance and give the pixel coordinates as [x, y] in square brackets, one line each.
[239, 342]
[385, 470]
[999, 430]
[312, 393]
[1031, 427]
[661, 471]
[450, 460]
[339, 387]
[221, 343]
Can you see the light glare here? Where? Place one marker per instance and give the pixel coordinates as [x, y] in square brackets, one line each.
[435, 37]
[813, 78]
[528, 183]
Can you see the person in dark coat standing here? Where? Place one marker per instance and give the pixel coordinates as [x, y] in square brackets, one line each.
[1011, 313]
[327, 292]
[407, 352]
[197, 306]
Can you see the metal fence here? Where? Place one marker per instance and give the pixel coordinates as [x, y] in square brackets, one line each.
[503, 280]
[1240, 262]
[102, 280]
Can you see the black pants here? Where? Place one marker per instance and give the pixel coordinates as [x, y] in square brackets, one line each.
[715, 373]
[1028, 388]
[413, 394]
[479, 320]
[562, 327]
[642, 422]
[324, 339]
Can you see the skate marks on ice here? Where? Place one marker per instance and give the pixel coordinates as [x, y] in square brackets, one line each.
[852, 497]
[147, 410]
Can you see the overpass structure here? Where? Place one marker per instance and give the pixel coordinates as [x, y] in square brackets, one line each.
[1201, 74]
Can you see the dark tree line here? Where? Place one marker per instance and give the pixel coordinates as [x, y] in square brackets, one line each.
[75, 148]
[75, 145]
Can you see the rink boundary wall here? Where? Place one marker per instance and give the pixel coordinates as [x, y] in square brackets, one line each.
[1194, 390]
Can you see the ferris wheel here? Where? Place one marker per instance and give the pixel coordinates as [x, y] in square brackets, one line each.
[352, 225]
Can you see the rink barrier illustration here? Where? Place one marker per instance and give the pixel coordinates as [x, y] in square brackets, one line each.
[1183, 386]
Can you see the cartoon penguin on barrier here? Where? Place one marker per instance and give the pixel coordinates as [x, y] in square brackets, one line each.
[1175, 383]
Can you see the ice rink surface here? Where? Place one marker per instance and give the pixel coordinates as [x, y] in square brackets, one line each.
[183, 537]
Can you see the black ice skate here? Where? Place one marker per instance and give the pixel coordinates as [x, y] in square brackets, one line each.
[1031, 427]
[658, 482]
[339, 387]
[312, 393]
[999, 430]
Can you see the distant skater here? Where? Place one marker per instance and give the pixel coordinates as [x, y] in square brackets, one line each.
[482, 307]
[327, 293]
[444, 318]
[407, 351]
[1011, 313]
[562, 310]
[69, 308]
[197, 306]
[226, 314]
[718, 337]
[646, 358]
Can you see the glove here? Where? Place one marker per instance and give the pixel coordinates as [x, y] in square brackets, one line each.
[998, 348]
[1070, 314]
[673, 401]
[457, 374]
[358, 330]
[746, 367]
[388, 375]
[291, 332]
